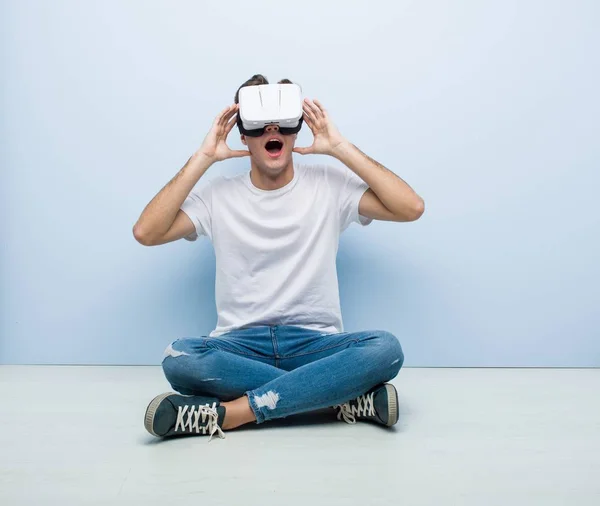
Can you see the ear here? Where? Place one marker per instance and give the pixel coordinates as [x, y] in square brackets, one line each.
[243, 139]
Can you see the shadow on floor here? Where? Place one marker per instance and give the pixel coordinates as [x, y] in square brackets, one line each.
[321, 417]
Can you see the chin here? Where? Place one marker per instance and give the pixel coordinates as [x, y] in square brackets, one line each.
[274, 167]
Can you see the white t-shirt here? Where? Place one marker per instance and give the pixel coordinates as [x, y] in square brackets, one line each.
[276, 249]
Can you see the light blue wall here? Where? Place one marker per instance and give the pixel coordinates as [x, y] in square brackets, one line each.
[488, 109]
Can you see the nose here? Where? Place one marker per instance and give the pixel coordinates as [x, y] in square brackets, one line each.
[272, 128]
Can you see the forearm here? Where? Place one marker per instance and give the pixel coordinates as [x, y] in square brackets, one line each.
[394, 193]
[160, 213]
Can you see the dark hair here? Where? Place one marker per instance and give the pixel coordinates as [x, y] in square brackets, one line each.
[256, 80]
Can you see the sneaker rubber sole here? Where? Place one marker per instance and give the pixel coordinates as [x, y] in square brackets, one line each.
[151, 411]
[392, 395]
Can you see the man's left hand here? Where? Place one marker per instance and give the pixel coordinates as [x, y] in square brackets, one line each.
[327, 137]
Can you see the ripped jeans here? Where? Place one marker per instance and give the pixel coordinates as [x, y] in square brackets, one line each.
[283, 370]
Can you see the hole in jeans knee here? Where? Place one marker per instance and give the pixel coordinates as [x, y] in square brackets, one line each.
[172, 352]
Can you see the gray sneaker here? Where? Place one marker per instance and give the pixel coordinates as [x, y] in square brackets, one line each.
[380, 404]
[173, 414]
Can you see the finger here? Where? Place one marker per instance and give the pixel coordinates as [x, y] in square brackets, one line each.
[303, 151]
[222, 114]
[314, 109]
[231, 124]
[234, 110]
[218, 117]
[239, 153]
[321, 107]
[231, 110]
[309, 115]
[227, 114]
[309, 123]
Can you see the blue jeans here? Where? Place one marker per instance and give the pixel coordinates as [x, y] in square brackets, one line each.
[283, 370]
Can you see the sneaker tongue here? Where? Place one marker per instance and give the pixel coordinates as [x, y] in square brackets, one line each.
[192, 404]
[221, 413]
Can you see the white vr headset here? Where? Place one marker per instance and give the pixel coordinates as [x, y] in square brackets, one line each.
[270, 104]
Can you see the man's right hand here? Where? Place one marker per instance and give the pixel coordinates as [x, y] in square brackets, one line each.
[163, 220]
[214, 146]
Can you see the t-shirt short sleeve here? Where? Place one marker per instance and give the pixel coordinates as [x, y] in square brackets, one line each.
[349, 188]
[198, 207]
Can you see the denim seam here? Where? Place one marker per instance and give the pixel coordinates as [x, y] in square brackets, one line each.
[275, 347]
[320, 349]
[236, 352]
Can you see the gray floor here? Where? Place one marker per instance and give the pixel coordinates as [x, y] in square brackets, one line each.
[74, 435]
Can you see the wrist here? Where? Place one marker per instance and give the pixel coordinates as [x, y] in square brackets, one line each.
[340, 148]
[199, 157]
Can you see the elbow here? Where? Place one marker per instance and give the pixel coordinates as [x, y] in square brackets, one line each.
[141, 235]
[417, 210]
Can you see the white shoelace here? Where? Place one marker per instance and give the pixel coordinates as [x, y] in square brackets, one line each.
[201, 419]
[364, 407]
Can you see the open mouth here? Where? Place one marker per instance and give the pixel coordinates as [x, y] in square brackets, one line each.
[274, 147]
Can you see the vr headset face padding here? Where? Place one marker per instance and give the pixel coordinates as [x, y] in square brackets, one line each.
[257, 132]
[270, 104]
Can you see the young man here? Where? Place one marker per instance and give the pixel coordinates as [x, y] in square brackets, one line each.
[279, 346]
